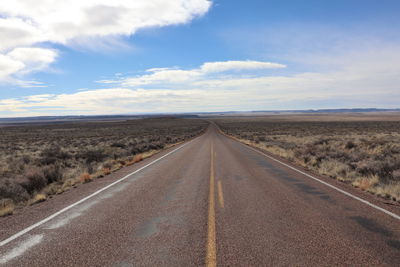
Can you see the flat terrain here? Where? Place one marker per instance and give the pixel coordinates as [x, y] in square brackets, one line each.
[359, 149]
[43, 159]
[212, 201]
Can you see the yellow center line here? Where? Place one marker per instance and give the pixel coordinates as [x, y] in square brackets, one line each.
[211, 258]
[220, 195]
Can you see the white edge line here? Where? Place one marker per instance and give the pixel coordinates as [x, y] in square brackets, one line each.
[30, 228]
[327, 184]
[318, 180]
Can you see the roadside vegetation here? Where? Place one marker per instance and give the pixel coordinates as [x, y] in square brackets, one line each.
[40, 160]
[356, 150]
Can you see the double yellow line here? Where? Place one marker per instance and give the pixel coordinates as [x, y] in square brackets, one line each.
[211, 258]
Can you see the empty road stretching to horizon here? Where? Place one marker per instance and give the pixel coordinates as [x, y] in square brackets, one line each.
[209, 202]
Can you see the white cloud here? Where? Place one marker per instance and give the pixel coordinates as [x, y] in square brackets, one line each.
[102, 101]
[176, 76]
[38, 98]
[162, 76]
[9, 66]
[23, 60]
[16, 32]
[61, 21]
[25, 24]
[365, 78]
[239, 65]
[33, 58]
[368, 79]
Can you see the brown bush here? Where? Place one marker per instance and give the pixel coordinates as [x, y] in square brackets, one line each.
[53, 173]
[118, 144]
[350, 145]
[12, 190]
[106, 171]
[396, 175]
[85, 178]
[34, 180]
[137, 158]
[96, 155]
[52, 154]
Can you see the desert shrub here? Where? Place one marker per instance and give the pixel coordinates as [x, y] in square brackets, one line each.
[334, 168]
[107, 165]
[26, 159]
[337, 154]
[322, 141]
[85, 178]
[50, 154]
[137, 158]
[118, 144]
[53, 173]
[12, 190]
[349, 150]
[33, 180]
[350, 145]
[95, 155]
[90, 167]
[382, 168]
[106, 171]
[396, 175]
[155, 146]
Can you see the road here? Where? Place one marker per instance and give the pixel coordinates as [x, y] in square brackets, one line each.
[210, 202]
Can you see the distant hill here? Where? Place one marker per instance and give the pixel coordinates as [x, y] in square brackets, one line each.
[61, 119]
[304, 111]
[342, 110]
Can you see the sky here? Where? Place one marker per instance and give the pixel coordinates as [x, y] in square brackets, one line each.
[96, 57]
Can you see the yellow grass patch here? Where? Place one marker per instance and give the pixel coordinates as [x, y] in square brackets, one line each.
[6, 207]
[37, 199]
[366, 183]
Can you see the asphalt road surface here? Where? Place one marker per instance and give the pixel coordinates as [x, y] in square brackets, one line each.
[209, 202]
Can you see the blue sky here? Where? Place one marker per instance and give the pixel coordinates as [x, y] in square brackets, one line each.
[197, 55]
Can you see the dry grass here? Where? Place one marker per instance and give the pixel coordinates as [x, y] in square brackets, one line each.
[5, 211]
[85, 178]
[363, 152]
[389, 191]
[137, 158]
[54, 157]
[106, 171]
[37, 199]
[134, 159]
[366, 183]
[6, 207]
